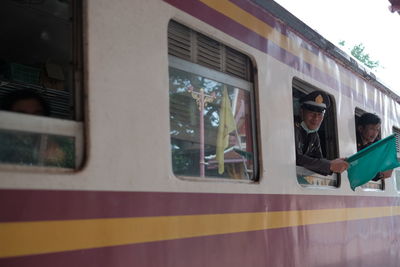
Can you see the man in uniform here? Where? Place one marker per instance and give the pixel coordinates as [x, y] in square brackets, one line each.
[368, 132]
[308, 147]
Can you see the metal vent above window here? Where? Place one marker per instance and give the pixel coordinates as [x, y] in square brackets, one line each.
[396, 131]
[198, 48]
[209, 52]
[236, 63]
[179, 41]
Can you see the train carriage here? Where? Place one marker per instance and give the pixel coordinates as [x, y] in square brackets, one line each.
[131, 166]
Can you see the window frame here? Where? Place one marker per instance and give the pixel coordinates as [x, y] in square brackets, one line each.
[396, 131]
[205, 72]
[357, 114]
[331, 127]
[196, 68]
[74, 127]
[44, 125]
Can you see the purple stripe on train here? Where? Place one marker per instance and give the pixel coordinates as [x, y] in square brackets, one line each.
[39, 205]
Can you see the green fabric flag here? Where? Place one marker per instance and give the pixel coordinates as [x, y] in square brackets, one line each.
[378, 157]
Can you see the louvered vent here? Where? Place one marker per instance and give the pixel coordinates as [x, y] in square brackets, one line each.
[179, 41]
[198, 48]
[396, 131]
[237, 64]
[209, 52]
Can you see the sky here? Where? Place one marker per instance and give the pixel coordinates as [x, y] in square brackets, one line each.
[357, 21]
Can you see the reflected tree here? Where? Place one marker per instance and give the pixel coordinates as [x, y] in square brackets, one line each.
[184, 120]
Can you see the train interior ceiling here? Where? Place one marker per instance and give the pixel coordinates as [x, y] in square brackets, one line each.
[37, 53]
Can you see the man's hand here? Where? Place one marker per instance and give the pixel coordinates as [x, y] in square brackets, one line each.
[339, 165]
[387, 174]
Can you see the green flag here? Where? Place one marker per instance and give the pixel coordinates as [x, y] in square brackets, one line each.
[378, 157]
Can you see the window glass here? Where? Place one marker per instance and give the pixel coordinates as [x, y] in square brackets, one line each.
[190, 123]
[39, 63]
[396, 131]
[211, 109]
[397, 177]
[327, 133]
[36, 149]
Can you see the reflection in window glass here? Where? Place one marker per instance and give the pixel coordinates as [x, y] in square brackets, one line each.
[397, 176]
[396, 131]
[25, 148]
[197, 127]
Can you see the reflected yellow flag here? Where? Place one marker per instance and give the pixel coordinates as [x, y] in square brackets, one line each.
[226, 125]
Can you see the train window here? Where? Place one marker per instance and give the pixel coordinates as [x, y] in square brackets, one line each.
[40, 88]
[327, 134]
[371, 185]
[211, 107]
[396, 131]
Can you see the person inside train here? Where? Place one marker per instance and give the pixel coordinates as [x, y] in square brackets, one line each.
[308, 147]
[368, 132]
[25, 101]
[14, 147]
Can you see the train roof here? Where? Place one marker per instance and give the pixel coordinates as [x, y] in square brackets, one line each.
[325, 45]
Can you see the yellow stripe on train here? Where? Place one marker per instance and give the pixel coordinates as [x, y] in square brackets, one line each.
[256, 25]
[26, 238]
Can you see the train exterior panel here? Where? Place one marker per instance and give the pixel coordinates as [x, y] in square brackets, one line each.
[126, 207]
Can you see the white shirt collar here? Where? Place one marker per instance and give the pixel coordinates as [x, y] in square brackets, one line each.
[308, 131]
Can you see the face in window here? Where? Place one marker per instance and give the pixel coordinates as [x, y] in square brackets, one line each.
[28, 106]
[312, 119]
[25, 101]
[369, 132]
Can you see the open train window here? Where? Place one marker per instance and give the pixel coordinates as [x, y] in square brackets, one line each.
[40, 84]
[327, 135]
[371, 185]
[211, 92]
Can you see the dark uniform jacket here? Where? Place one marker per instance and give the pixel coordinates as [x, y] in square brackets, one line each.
[308, 152]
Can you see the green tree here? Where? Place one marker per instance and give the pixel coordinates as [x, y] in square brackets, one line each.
[358, 51]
